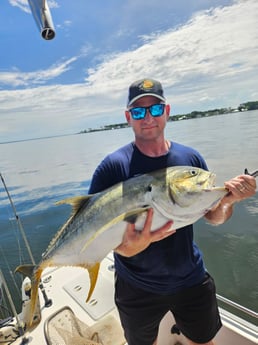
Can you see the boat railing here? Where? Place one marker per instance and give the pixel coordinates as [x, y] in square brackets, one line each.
[238, 306]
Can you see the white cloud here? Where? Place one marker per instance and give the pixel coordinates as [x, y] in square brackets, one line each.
[53, 4]
[24, 5]
[17, 78]
[209, 62]
[207, 47]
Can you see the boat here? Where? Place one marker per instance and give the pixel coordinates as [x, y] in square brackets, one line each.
[63, 317]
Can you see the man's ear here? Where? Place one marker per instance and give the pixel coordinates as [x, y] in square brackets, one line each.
[128, 117]
[167, 110]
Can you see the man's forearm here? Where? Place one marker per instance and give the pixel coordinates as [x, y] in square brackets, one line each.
[220, 213]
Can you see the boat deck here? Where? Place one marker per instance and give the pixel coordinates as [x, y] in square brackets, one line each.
[68, 287]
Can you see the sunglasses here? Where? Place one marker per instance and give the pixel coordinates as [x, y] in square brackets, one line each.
[139, 113]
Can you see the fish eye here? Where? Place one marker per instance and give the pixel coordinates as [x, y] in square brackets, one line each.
[193, 172]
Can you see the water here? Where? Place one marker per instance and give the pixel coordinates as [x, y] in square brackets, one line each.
[40, 172]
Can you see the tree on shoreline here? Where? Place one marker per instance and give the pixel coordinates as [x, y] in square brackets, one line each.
[194, 114]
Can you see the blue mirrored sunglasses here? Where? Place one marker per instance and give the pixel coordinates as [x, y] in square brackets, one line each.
[139, 113]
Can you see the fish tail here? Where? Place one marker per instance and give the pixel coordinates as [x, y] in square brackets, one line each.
[35, 280]
[26, 270]
[34, 273]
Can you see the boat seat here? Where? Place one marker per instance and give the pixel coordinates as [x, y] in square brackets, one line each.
[64, 328]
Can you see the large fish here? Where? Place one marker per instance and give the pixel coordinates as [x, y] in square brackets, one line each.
[96, 226]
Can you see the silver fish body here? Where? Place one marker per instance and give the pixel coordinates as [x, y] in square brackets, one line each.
[97, 224]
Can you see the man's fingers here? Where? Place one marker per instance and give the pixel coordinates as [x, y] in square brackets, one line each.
[148, 221]
[163, 232]
[242, 186]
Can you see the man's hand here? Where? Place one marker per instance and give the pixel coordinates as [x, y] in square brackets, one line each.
[135, 241]
[239, 188]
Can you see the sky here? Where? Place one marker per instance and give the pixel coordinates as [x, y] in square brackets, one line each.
[203, 51]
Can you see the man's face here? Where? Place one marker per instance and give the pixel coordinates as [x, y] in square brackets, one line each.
[149, 127]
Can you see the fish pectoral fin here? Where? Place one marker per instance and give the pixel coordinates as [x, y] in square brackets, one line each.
[122, 217]
[76, 202]
[131, 217]
[93, 273]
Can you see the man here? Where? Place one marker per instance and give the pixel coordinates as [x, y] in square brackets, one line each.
[162, 270]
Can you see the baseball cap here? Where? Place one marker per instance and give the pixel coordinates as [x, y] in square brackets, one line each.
[145, 87]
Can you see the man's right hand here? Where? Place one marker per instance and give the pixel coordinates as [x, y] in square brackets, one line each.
[135, 241]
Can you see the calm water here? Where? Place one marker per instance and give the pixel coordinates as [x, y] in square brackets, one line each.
[40, 172]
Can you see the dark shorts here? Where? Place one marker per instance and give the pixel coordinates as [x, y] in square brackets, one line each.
[195, 310]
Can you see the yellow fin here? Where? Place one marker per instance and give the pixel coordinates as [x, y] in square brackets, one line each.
[26, 270]
[34, 292]
[34, 273]
[113, 221]
[93, 273]
[76, 202]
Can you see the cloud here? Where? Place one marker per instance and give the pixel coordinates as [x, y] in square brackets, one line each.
[16, 78]
[215, 44]
[24, 5]
[210, 61]
[53, 4]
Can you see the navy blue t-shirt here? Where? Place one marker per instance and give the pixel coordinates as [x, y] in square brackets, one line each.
[173, 263]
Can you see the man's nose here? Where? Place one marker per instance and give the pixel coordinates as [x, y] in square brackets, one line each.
[148, 116]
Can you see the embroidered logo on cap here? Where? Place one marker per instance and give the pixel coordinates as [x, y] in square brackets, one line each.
[147, 85]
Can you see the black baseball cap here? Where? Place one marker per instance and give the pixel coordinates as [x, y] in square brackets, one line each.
[145, 87]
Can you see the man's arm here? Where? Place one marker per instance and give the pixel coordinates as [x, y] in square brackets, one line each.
[239, 188]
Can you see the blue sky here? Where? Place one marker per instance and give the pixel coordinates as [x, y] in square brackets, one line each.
[203, 51]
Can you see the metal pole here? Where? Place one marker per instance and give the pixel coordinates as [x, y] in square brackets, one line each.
[20, 327]
[19, 222]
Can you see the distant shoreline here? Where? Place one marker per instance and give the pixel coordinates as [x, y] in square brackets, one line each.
[180, 117]
[193, 115]
[39, 138]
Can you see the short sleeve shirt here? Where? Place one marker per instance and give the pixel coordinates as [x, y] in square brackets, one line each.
[169, 265]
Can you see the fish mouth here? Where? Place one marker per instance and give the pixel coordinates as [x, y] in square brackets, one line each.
[208, 183]
[210, 186]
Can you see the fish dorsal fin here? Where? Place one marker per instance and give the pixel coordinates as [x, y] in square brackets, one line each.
[76, 202]
[133, 214]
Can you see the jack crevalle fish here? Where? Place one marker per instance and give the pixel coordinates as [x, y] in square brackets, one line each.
[182, 194]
